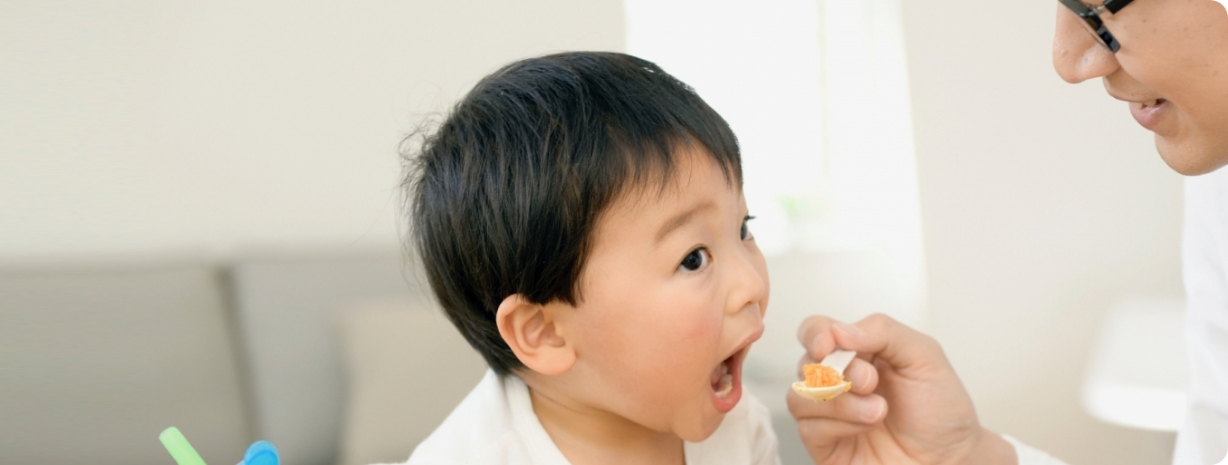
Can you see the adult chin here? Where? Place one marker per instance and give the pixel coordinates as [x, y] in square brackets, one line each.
[1192, 157]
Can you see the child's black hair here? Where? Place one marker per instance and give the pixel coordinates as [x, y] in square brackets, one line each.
[505, 195]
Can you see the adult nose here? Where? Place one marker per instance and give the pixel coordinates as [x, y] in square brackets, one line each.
[1077, 56]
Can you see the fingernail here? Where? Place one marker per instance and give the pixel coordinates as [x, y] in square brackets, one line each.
[852, 331]
[871, 409]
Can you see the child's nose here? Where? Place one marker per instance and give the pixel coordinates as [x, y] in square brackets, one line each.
[750, 284]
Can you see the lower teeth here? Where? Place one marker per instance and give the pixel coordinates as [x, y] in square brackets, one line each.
[726, 386]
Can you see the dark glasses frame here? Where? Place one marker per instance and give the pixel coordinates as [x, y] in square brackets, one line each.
[1090, 14]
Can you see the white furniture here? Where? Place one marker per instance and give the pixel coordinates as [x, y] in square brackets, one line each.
[1138, 372]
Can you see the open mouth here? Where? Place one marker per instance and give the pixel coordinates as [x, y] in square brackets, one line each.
[726, 381]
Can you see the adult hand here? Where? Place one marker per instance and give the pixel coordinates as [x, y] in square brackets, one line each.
[906, 405]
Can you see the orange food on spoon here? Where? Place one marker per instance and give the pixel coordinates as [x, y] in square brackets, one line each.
[821, 375]
[824, 380]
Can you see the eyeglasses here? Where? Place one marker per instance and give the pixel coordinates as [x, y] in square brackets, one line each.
[1090, 14]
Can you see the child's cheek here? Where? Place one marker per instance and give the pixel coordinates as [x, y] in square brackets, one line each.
[702, 328]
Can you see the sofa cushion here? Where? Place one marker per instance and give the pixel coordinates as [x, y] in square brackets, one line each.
[97, 360]
[407, 367]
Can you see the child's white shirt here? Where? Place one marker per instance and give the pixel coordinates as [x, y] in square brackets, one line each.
[495, 424]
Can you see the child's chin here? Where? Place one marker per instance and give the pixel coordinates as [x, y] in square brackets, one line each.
[702, 430]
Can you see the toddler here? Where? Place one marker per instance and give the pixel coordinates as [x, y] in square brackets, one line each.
[581, 220]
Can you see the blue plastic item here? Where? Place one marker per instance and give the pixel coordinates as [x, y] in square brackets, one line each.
[261, 453]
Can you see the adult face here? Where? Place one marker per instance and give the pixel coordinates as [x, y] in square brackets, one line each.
[1172, 68]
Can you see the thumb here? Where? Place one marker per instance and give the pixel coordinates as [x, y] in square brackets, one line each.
[881, 338]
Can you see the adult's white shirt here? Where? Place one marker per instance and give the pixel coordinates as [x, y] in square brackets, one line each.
[1203, 438]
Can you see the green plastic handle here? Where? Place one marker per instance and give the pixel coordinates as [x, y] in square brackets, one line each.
[180, 449]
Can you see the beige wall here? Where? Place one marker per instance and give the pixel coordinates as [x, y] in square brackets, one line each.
[1042, 204]
[145, 126]
[153, 125]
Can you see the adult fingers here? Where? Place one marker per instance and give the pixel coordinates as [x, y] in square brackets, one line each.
[848, 408]
[887, 340]
[815, 336]
[821, 433]
[821, 425]
[863, 375]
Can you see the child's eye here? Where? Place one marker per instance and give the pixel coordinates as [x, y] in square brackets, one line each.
[695, 260]
[745, 234]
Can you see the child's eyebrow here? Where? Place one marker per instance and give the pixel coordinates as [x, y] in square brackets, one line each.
[683, 218]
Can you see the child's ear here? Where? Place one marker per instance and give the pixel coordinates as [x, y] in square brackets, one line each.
[535, 335]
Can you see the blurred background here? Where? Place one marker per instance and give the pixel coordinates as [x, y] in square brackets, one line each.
[200, 213]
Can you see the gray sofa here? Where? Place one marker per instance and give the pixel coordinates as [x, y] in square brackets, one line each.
[99, 357]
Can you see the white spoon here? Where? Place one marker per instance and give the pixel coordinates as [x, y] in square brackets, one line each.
[837, 360]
